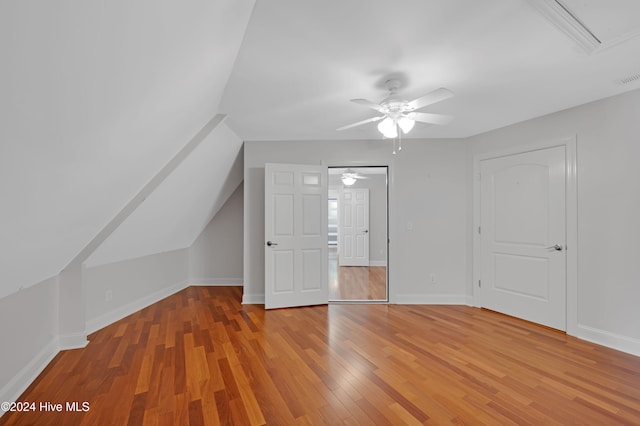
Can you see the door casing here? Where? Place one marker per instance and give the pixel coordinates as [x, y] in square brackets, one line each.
[390, 214]
[570, 144]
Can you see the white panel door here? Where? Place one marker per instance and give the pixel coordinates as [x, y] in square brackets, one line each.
[295, 235]
[353, 243]
[523, 234]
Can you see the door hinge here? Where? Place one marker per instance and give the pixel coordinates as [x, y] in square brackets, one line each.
[480, 283]
[479, 232]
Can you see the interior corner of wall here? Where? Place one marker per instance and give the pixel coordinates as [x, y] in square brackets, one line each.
[253, 299]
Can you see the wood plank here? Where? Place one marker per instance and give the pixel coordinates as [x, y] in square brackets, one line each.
[201, 357]
[355, 282]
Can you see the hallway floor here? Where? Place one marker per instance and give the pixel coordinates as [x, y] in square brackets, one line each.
[355, 282]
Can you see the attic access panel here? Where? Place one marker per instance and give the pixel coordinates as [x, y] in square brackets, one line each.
[593, 25]
[609, 20]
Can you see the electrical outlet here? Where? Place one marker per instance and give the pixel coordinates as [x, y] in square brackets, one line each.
[432, 278]
[108, 296]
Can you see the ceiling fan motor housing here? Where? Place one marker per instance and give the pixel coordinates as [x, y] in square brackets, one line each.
[394, 107]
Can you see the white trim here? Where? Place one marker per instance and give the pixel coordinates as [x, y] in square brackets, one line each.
[216, 281]
[430, 299]
[377, 263]
[571, 204]
[117, 314]
[11, 391]
[253, 299]
[72, 341]
[393, 229]
[574, 29]
[611, 340]
[571, 147]
[568, 24]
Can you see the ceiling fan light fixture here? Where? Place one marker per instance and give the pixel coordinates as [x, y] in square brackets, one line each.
[399, 115]
[406, 124]
[388, 128]
[348, 180]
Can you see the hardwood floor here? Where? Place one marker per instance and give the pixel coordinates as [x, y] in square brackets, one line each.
[356, 283]
[200, 357]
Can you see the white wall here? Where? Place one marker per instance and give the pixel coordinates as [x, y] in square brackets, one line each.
[427, 188]
[28, 334]
[430, 196]
[28, 318]
[134, 284]
[608, 151]
[81, 303]
[96, 98]
[215, 258]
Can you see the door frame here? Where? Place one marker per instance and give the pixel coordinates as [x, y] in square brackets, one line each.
[390, 180]
[571, 211]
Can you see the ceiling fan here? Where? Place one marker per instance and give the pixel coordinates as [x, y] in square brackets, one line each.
[398, 113]
[349, 177]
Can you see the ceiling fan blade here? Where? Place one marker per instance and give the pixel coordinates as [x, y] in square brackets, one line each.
[427, 117]
[359, 123]
[430, 98]
[350, 173]
[368, 104]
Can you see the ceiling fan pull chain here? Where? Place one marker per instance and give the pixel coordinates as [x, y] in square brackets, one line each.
[399, 139]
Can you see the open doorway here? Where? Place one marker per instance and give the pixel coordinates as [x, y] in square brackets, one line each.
[358, 234]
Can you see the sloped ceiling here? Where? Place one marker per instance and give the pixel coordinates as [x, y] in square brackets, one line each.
[95, 97]
[173, 215]
[301, 62]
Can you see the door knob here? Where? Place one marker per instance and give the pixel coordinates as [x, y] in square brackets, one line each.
[557, 247]
[269, 243]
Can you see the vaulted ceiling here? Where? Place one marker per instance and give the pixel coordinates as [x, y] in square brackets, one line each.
[96, 97]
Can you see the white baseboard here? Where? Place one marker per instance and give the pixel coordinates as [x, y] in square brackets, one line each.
[72, 341]
[429, 299]
[216, 281]
[377, 263]
[610, 340]
[253, 299]
[104, 320]
[21, 381]
[405, 299]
